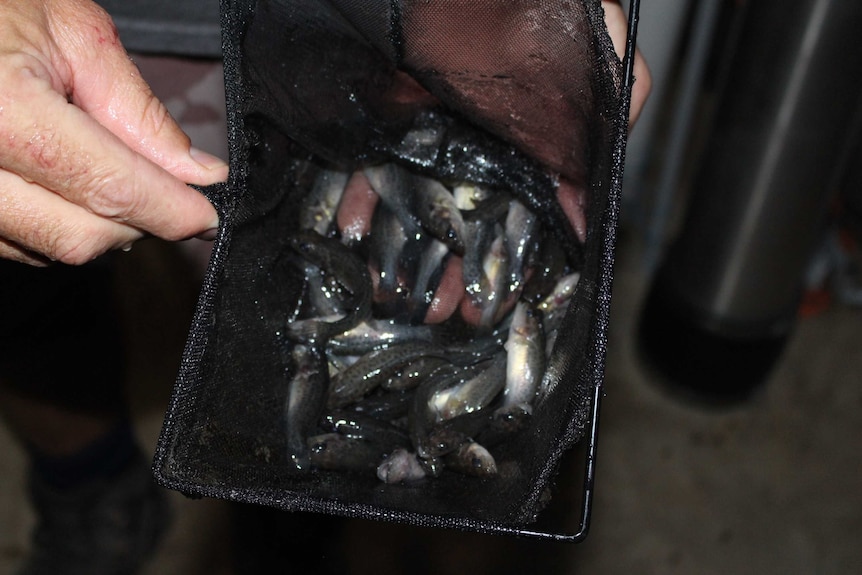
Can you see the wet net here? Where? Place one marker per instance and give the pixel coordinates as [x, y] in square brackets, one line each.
[432, 166]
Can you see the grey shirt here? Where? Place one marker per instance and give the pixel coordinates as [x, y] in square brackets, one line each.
[180, 27]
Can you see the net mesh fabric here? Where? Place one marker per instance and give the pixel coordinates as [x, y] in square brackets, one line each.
[522, 91]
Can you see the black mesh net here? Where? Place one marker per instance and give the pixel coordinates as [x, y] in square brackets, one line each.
[519, 100]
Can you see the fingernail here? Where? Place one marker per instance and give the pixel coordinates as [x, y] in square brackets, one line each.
[208, 235]
[207, 160]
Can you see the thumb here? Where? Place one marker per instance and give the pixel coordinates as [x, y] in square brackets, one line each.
[107, 85]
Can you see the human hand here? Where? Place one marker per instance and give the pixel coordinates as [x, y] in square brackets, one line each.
[90, 160]
[618, 27]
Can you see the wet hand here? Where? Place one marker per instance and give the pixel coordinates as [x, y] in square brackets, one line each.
[90, 160]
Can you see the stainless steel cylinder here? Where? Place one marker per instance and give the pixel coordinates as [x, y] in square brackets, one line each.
[725, 297]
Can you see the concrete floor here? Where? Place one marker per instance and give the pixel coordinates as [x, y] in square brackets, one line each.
[771, 487]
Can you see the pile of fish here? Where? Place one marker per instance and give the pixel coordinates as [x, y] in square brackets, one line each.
[427, 316]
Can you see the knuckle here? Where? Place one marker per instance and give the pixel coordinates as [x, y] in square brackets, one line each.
[79, 246]
[111, 194]
[22, 78]
[22, 72]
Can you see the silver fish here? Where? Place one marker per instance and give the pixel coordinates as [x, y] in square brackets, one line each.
[374, 368]
[443, 440]
[418, 203]
[388, 239]
[472, 459]
[525, 353]
[321, 203]
[505, 421]
[324, 295]
[305, 398]
[349, 271]
[473, 394]
[556, 302]
[412, 374]
[479, 234]
[467, 152]
[554, 306]
[430, 269]
[435, 207]
[342, 453]
[521, 225]
[469, 196]
[360, 426]
[392, 183]
[375, 334]
[389, 406]
[420, 417]
[495, 267]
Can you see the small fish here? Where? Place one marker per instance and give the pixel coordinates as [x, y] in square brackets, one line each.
[444, 440]
[412, 374]
[401, 466]
[560, 296]
[305, 398]
[433, 466]
[435, 207]
[479, 234]
[468, 153]
[360, 426]
[388, 406]
[469, 196]
[521, 225]
[388, 239]
[494, 206]
[427, 280]
[418, 203]
[337, 363]
[320, 205]
[349, 271]
[392, 184]
[495, 267]
[420, 416]
[525, 353]
[471, 459]
[374, 368]
[473, 394]
[338, 452]
[324, 294]
[505, 421]
[488, 426]
[554, 306]
[373, 334]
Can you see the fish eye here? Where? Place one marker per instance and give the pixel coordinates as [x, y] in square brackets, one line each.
[300, 245]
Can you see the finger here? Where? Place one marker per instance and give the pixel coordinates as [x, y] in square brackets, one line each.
[54, 143]
[356, 208]
[38, 221]
[449, 293]
[572, 199]
[11, 251]
[617, 24]
[641, 88]
[107, 85]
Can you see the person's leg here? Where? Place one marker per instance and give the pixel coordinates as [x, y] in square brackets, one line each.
[62, 377]
[61, 393]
